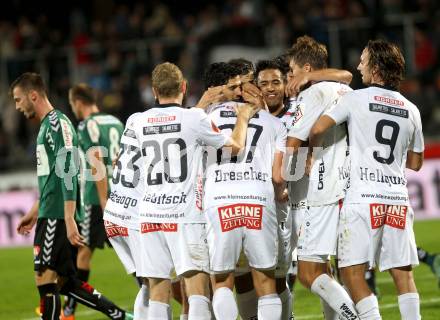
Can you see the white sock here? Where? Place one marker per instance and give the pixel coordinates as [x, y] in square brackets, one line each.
[224, 305]
[158, 310]
[141, 303]
[286, 304]
[183, 317]
[247, 304]
[329, 313]
[368, 308]
[198, 308]
[409, 306]
[336, 297]
[269, 307]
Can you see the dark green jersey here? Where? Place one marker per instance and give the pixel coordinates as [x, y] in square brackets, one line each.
[57, 164]
[103, 131]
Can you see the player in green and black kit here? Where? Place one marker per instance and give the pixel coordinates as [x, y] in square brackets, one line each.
[98, 138]
[54, 213]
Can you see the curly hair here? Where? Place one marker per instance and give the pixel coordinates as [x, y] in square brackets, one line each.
[308, 50]
[386, 59]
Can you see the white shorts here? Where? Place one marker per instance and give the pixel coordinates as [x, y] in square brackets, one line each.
[231, 227]
[126, 243]
[169, 247]
[284, 240]
[318, 234]
[377, 234]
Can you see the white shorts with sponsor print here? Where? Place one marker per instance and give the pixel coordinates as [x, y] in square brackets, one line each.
[251, 226]
[318, 233]
[169, 247]
[126, 243]
[378, 234]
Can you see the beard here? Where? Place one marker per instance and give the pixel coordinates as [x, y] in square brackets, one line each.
[29, 110]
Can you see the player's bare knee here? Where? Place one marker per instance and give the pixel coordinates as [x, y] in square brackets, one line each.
[197, 284]
[352, 275]
[45, 276]
[224, 280]
[160, 289]
[306, 279]
[403, 279]
[83, 258]
[264, 281]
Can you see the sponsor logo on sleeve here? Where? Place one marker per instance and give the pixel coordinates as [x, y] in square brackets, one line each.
[67, 134]
[240, 215]
[386, 214]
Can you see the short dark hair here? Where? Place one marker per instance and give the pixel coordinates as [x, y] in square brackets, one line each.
[387, 60]
[244, 65]
[83, 92]
[271, 64]
[30, 81]
[219, 73]
[308, 50]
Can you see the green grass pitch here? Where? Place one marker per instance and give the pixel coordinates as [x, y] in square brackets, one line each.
[19, 297]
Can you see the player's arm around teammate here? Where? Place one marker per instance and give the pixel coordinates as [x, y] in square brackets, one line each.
[322, 189]
[386, 237]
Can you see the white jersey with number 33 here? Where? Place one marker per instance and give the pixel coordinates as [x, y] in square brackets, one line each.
[127, 183]
[382, 125]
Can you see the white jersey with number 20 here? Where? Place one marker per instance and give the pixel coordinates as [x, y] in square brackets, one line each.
[170, 139]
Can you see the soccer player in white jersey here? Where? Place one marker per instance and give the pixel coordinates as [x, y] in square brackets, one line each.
[271, 76]
[172, 223]
[121, 213]
[239, 205]
[377, 221]
[318, 193]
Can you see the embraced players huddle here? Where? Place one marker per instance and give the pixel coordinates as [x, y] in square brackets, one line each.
[278, 161]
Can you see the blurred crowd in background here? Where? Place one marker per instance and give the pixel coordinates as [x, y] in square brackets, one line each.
[114, 46]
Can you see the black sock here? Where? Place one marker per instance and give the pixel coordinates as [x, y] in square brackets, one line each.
[423, 255]
[70, 303]
[85, 294]
[50, 305]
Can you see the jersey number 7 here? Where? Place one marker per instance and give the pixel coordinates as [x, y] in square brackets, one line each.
[250, 155]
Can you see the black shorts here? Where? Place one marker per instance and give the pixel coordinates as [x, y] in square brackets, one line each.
[52, 249]
[92, 227]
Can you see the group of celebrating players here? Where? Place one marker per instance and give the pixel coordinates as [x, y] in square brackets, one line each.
[278, 159]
